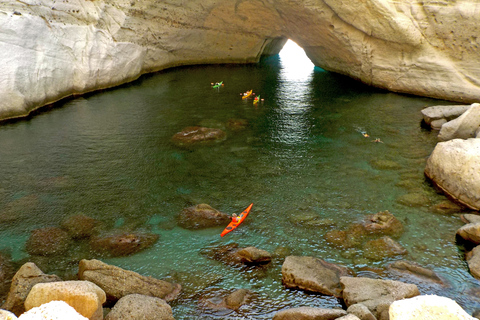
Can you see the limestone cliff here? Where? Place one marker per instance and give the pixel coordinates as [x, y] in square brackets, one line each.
[50, 49]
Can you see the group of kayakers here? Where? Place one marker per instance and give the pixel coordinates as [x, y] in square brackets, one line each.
[245, 95]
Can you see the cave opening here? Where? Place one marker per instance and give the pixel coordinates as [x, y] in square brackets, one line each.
[295, 61]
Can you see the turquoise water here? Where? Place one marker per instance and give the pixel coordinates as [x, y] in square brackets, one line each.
[109, 155]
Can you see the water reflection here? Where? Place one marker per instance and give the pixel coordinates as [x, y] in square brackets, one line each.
[294, 91]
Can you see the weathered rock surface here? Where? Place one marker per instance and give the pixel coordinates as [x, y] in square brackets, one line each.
[436, 116]
[383, 223]
[84, 296]
[53, 50]
[26, 277]
[313, 274]
[54, 310]
[140, 307]
[254, 255]
[7, 315]
[237, 298]
[470, 218]
[201, 216]
[414, 269]
[375, 294]
[117, 282]
[427, 307]
[454, 166]
[308, 313]
[463, 127]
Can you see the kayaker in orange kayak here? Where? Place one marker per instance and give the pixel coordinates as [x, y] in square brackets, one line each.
[234, 217]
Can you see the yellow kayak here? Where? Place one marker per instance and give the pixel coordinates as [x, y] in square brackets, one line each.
[247, 94]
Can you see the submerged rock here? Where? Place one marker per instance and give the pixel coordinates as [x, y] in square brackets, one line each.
[192, 136]
[309, 313]
[382, 248]
[122, 244]
[80, 226]
[48, 241]
[202, 216]
[383, 223]
[414, 269]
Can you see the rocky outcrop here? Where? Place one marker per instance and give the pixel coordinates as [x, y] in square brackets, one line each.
[53, 50]
[454, 167]
[427, 307]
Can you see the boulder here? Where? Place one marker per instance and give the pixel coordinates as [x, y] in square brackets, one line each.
[140, 307]
[48, 241]
[361, 311]
[470, 232]
[463, 127]
[375, 294]
[84, 296]
[442, 114]
[252, 255]
[80, 226]
[313, 274]
[202, 216]
[192, 136]
[382, 248]
[117, 282]
[309, 313]
[122, 243]
[473, 261]
[26, 277]
[454, 166]
[54, 310]
[427, 307]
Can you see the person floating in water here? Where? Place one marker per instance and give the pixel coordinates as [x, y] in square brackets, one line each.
[377, 140]
[366, 135]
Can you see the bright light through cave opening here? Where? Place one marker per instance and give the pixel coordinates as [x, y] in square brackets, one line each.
[295, 61]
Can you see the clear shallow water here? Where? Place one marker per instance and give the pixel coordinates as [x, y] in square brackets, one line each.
[109, 155]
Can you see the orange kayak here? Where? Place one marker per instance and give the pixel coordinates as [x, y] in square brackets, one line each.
[232, 225]
[247, 94]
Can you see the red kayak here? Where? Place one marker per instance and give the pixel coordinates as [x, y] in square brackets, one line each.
[232, 225]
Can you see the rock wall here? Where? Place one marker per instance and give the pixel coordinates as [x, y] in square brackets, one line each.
[50, 49]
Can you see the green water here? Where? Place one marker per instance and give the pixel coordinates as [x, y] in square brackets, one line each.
[109, 155]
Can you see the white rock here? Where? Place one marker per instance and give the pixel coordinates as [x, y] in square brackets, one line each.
[427, 308]
[463, 127]
[54, 310]
[455, 167]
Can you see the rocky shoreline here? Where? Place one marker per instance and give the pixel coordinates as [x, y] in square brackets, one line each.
[102, 291]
